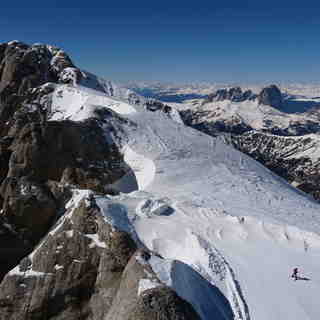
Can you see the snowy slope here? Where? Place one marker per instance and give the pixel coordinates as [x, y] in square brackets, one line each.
[201, 204]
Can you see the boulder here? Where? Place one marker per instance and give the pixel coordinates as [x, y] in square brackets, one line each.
[28, 206]
[162, 303]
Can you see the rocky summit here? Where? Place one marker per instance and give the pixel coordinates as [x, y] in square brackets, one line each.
[82, 268]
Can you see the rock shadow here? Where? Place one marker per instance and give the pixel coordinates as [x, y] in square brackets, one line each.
[301, 106]
[206, 298]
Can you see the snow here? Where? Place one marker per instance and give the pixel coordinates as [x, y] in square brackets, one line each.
[69, 233]
[144, 168]
[28, 273]
[95, 241]
[58, 267]
[228, 229]
[145, 284]
[80, 103]
[230, 211]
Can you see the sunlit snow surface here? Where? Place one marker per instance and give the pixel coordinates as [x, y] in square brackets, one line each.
[211, 208]
[79, 103]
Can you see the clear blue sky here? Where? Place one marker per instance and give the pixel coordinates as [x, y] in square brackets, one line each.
[176, 40]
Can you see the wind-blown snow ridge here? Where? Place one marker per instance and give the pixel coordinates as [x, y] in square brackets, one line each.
[230, 231]
[80, 103]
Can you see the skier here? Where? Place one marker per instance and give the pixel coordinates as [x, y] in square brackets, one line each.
[295, 274]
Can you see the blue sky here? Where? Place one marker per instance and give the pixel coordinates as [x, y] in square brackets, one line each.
[177, 40]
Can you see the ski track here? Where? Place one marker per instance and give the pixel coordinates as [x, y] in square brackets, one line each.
[235, 223]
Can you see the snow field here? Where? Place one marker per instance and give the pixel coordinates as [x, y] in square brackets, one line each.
[229, 230]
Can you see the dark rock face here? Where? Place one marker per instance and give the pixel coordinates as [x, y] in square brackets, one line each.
[162, 303]
[23, 67]
[271, 96]
[41, 159]
[80, 152]
[13, 247]
[28, 206]
[233, 94]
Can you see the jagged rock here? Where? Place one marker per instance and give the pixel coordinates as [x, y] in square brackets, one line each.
[29, 206]
[63, 271]
[13, 247]
[80, 152]
[162, 303]
[60, 61]
[86, 269]
[5, 154]
[23, 67]
[35, 155]
[196, 119]
[271, 96]
[233, 94]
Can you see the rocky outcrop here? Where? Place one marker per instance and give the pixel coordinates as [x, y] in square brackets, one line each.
[271, 96]
[23, 67]
[233, 94]
[28, 206]
[289, 157]
[86, 269]
[201, 120]
[162, 303]
[41, 159]
[80, 151]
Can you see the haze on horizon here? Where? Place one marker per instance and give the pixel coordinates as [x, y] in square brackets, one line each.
[177, 41]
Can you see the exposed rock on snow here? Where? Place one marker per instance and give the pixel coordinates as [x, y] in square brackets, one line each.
[271, 96]
[40, 159]
[232, 94]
